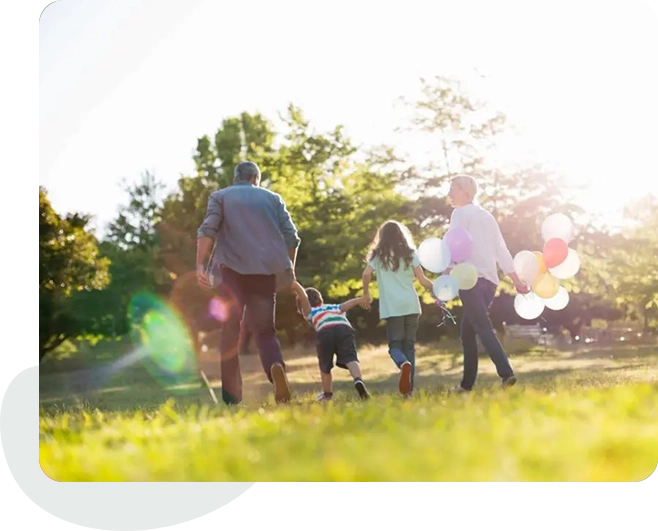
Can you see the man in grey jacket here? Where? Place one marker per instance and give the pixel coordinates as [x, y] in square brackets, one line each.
[255, 249]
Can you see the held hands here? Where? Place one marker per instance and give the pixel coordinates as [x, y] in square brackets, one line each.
[366, 301]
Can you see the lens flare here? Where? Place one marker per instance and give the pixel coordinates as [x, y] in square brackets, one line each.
[163, 340]
[218, 309]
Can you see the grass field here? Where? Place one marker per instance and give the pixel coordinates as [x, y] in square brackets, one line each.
[584, 415]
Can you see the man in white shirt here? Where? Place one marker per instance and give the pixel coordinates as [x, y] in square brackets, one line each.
[488, 251]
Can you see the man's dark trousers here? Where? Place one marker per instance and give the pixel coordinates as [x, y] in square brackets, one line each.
[256, 294]
[475, 322]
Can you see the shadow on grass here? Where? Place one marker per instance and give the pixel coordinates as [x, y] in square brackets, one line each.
[84, 382]
[149, 394]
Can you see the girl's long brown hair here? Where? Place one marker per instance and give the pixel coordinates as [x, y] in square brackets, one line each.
[392, 245]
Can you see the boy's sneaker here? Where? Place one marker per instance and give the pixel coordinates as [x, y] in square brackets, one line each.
[325, 397]
[361, 389]
[404, 385]
[281, 385]
[508, 382]
[458, 389]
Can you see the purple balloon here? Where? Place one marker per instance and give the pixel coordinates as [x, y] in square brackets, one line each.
[460, 243]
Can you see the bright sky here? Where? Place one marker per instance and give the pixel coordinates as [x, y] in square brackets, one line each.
[129, 85]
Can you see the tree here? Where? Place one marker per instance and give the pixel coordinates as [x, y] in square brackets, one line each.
[135, 231]
[464, 126]
[132, 246]
[245, 136]
[135, 225]
[633, 261]
[336, 202]
[520, 197]
[240, 137]
[468, 131]
[69, 263]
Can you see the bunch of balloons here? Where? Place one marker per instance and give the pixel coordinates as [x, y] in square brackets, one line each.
[437, 254]
[544, 270]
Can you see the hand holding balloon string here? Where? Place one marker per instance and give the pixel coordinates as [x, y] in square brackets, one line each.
[519, 285]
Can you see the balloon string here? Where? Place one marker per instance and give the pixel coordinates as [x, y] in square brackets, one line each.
[445, 314]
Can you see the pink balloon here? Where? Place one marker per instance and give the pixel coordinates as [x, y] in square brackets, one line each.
[555, 252]
[460, 243]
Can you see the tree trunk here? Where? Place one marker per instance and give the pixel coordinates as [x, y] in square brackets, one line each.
[44, 349]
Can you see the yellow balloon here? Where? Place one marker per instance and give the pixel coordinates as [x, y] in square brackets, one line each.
[465, 274]
[546, 286]
[542, 264]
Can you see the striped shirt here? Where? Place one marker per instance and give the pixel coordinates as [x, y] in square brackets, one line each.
[327, 315]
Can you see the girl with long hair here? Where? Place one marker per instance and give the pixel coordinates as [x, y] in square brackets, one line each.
[394, 260]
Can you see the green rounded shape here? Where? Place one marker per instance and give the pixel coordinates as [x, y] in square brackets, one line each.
[163, 341]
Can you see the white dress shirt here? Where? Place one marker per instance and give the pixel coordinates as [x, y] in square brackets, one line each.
[489, 247]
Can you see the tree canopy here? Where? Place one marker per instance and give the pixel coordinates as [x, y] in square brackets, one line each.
[338, 194]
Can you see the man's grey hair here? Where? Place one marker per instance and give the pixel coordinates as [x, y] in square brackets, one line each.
[468, 184]
[245, 170]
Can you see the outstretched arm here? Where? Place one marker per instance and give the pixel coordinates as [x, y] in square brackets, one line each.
[302, 298]
[424, 281]
[419, 273]
[506, 262]
[348, 305]
[366, 278]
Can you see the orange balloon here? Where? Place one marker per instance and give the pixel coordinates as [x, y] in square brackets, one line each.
[555, 252]
[542, 264]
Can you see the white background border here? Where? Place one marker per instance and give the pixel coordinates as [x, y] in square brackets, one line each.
[17, 106]
[18, 102]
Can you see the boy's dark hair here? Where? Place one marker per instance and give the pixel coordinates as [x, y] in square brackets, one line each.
[392, 245]
[314, 297]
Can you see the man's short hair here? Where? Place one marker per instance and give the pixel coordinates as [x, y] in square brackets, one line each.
[245, 170]
[467, 183]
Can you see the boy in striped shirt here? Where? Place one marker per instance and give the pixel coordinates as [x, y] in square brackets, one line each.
[334, 336]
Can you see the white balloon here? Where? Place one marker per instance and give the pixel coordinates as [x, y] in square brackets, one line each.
[558, 226]
[434, 255]
[558, 301]
[568, 268]
[528, 306]
[526, 265]
[446, 288]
